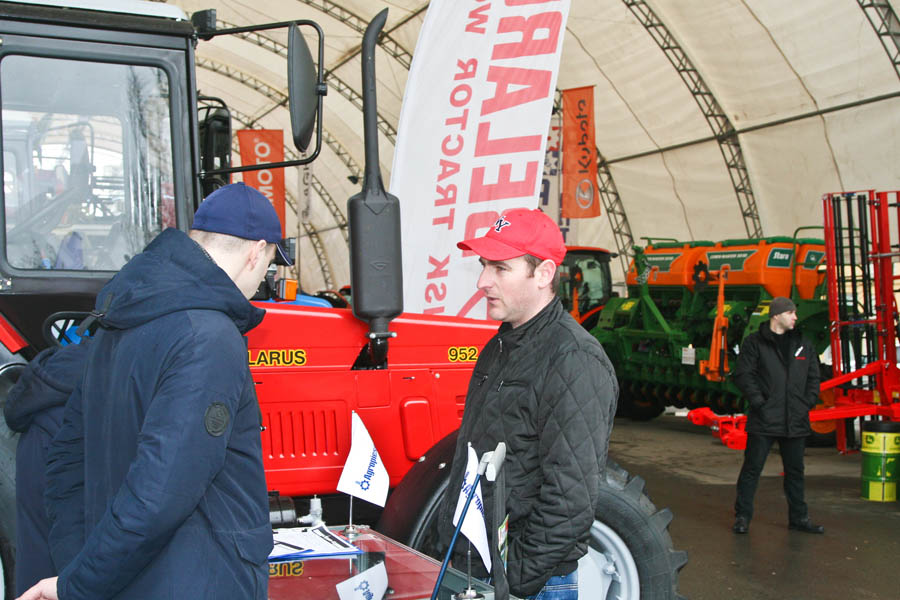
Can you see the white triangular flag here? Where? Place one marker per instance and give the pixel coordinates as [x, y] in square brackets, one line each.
[364, 475]
[371, 584]
[473, 526]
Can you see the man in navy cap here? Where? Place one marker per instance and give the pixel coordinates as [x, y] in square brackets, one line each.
[778, 374]
[545, 387]
[155, 482]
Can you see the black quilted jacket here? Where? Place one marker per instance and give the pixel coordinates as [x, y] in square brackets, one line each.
[548, 390]
[779, 394]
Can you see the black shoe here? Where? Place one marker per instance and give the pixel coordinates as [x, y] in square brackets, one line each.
[741, 525]
[806, 526]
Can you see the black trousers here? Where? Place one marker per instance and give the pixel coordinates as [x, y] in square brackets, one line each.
[755, 455]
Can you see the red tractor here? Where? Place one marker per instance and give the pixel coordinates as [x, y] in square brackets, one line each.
[98, 163]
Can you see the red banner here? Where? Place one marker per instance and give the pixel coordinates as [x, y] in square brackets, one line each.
[264, 146]
[580, 196]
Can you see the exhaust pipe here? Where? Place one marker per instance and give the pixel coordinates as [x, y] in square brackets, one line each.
[376, 269]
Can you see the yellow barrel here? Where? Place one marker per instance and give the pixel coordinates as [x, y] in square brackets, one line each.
[880, 453]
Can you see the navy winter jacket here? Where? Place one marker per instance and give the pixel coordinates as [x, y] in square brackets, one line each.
[155, 482]
[34, 407]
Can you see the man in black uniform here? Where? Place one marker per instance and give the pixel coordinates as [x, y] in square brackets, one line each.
[544, 386]
[778, 374]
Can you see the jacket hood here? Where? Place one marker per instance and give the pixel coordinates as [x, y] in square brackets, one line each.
[47, 382]
[172, 274]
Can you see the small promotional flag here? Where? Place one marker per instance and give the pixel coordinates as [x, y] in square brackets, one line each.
[364, 475]
[371, 584]
[473, 526]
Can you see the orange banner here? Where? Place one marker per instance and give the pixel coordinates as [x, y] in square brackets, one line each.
[580, 196]
[264, 146]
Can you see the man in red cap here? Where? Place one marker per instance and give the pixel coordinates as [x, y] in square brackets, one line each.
[545, 387]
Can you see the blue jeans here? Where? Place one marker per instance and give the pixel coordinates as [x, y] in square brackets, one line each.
[559, 587]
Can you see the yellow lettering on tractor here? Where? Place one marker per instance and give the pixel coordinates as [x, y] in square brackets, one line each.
[290, 357]
[462, 353]
[285, 569]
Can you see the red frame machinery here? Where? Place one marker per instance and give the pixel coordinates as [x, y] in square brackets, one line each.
[862, 242]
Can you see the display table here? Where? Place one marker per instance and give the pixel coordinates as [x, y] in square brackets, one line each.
[411, 574]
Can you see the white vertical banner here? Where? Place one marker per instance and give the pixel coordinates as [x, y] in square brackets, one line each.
[471, 137]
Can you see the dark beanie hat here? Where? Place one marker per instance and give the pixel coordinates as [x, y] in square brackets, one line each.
[779, 305]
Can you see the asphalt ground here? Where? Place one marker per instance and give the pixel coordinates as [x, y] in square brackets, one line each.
[693, 474]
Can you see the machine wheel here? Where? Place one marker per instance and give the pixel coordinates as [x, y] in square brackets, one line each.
[7, 509]
[642, 409]
[9, 374]
[631, 556]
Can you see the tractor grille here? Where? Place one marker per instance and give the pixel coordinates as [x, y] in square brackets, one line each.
[306, 435]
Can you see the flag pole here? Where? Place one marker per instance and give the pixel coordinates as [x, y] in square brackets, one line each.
[462, 517]
[468, 593]
[351, 531]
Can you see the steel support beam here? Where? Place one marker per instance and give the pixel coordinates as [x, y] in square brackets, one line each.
[722, 128]
[887, 27]
[615, 212]
[311, 232]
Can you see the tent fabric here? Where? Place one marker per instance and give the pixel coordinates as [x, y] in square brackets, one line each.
[807, 85]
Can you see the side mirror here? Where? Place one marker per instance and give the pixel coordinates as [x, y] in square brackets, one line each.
[303, 89]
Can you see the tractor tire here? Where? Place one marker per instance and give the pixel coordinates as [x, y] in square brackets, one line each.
[8, 441]
[9, 374]
[631, 556]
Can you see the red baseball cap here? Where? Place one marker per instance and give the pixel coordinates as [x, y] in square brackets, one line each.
[518, 232]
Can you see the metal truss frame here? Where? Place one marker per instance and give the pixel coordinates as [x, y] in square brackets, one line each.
[722, 128]
[887, 27]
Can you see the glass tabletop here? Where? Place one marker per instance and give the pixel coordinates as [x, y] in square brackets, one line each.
[410, 574]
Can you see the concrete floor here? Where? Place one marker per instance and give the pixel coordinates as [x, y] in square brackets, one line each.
[693, 474]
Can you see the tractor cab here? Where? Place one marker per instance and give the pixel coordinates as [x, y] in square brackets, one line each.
[585, 283]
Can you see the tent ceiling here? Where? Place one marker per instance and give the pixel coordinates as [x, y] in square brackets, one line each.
[715, 119]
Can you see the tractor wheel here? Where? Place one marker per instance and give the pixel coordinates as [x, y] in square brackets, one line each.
[630, 557]
[9, 374]
[7, 510]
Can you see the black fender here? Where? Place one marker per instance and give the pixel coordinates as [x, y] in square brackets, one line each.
[414, 503]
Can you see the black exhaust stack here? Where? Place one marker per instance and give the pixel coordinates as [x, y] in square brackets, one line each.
[376, 270]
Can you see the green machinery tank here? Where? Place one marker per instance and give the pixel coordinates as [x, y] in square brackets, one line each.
[674, 338]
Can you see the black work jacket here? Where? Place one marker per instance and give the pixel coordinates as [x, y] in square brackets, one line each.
[546, 389]
[778, 392]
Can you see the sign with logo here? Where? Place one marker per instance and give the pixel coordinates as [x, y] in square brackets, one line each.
[813, 259]
[780, 258]
[260, 146]
[735, 259]
[581, 198]
[663, 262]
[471, 138]
[371, 584]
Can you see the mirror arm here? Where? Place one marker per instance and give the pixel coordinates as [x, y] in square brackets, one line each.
[321, 90]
